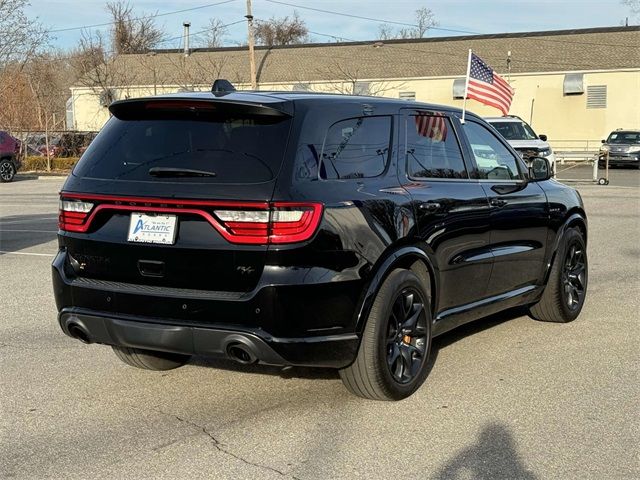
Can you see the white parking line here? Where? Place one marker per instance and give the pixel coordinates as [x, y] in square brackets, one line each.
[51, 204]
[7, 222]
[3, 252]
[36, 231]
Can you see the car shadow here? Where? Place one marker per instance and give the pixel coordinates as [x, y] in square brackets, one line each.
[24, 177]
[438, 344]
[20, 232]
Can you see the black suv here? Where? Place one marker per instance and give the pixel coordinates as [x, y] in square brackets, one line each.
[307, 229]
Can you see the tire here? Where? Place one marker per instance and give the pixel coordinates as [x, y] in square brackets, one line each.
[150, 360]
[566, 289]
[7, 170]
[380, 371]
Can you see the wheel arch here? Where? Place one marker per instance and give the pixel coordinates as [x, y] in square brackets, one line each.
[576, 218]
[410, 257]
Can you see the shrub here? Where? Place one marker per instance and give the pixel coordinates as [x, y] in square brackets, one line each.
[39, 164]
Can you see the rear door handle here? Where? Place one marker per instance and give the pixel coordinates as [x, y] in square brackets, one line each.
[430, 206]
[497, 202]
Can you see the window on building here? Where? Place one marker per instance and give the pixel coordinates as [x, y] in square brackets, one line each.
[69, 114]
[597, 96]
[432, 148]
[458, 87]
[494, 160]
[409, 96]
[361, 88]
[356, 148]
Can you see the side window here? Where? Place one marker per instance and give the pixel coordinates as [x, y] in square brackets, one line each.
[494, 160]
[2, 137]
[432, 148]
[356, 148]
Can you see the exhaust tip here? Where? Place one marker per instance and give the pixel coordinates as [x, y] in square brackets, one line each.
[241, 354]
[76, 331]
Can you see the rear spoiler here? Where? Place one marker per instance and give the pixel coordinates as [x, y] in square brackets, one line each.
[145, 107]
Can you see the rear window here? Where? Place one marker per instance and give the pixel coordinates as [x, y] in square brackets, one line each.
[356, 148]
[232, 149]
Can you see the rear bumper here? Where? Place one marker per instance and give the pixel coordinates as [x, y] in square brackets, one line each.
[282, 324]
[335, 351]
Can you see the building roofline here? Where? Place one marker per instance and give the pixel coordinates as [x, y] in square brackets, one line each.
[460, 38]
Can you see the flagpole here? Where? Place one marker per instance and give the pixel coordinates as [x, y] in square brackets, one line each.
[466, 87]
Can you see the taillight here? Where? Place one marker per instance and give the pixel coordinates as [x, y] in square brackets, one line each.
[73, 215]
[251, 223]
[282, 223]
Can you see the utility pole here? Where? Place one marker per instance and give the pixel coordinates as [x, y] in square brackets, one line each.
[252, 57]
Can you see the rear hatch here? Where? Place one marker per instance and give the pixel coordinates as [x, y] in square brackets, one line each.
[176, 193]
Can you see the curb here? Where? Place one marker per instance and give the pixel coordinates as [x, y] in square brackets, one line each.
[43, 176]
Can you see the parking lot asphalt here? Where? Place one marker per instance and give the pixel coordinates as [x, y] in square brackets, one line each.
[507, 397]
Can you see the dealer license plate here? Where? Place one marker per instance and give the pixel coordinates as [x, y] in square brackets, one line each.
[152, 228]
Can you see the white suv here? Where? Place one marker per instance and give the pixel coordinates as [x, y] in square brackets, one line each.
[522, 137]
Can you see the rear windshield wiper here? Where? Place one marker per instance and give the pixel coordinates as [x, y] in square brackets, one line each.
[179, 172]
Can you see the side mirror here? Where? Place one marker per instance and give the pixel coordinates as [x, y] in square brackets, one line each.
[603, 141]
[539, 169]
[542, 137]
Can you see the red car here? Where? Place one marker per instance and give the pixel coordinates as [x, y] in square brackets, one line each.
[9, 156]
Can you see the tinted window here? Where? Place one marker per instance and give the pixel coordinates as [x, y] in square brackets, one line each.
[356, 148]
[432, 148]
[494, 160]
[515, 130]
[237, 149]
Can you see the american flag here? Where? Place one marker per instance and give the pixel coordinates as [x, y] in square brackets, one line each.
[487, 87]
[431, 125]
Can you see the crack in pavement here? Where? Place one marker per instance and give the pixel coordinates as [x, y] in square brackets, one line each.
[221, 447]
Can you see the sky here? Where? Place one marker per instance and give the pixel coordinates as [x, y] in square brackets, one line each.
[473, 16]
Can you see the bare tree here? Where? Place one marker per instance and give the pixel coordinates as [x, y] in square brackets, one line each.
[21, 37]
[281, 31]
[386, 32]
[424, 20]
[215, 33]
[99, 71]
[348, 80]
[634, 8]
[90, 53]
[190, 73]
[130, 34]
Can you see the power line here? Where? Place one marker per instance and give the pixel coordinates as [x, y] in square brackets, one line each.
[140, 18]
[200, 32]
[342, 14]
[438, 28]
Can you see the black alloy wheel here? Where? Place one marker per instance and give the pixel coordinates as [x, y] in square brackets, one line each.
[392, 361]
[406, 336]
[573, 276]
[566, 289]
